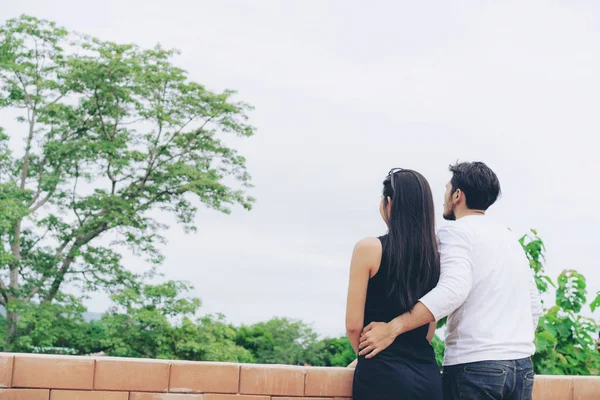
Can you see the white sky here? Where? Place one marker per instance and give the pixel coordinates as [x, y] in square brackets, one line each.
[343, 92]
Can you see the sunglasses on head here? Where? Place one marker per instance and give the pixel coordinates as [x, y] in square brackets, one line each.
[394, 170]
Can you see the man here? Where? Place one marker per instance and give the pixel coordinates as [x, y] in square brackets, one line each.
[486, 289]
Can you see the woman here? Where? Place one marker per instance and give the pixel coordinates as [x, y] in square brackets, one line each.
[388, 275]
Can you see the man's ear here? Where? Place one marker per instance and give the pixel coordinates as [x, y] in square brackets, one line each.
[458, 195]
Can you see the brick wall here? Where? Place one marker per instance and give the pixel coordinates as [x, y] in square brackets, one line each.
[37, 377]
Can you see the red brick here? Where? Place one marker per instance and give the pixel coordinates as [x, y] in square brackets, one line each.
[132, 374]
[273, 380]
[53, 372]
[586, 388]
[302, 398]
[329, 382]
[165, 396]
[235, 397]
[24, 394]
[87, 395]
[546, 387]
[6, 370]
[189, 377]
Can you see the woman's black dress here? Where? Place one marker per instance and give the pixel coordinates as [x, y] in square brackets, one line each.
[405, 370]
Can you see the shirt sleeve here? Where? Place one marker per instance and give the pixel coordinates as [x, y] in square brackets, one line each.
[536, 303]
[455, 276]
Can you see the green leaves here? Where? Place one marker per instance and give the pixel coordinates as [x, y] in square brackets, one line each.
[282, 341]
[49, 328]
[570, 294]
[442, 322]
[337, 352]
[544, 341]
[438, 348]
[535, 251]
[596, 302]
[565, 340]
[140, 322]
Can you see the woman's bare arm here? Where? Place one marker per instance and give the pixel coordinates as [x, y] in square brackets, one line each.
[366, 256]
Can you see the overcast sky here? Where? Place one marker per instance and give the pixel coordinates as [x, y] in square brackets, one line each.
[345, 90]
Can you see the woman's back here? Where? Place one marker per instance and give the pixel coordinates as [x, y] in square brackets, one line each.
[387, 278]
[379, 307]
[407, 369]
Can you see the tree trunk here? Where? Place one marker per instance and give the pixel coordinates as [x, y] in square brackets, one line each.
[11, 319]
[11, 316]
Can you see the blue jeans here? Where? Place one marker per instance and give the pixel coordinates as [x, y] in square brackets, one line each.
[498, 380]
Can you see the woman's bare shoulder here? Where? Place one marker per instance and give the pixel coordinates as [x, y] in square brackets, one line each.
[369, 250]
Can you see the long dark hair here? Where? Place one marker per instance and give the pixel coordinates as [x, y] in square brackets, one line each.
[411, 251]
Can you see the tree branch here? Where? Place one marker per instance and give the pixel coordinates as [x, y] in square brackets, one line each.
[59, 278]
[154, 198]
[45, 275]
[100, 113]
[39, 240]
[38, 192]
[73, 197]
[48, 196]
[41, 203]
[31, 118]
[116, 124]
[113, 184]
[135, 121]
[62, 248]
[79, 242]
[32, 293]
[3, 293]
[151, 161]
[56, 100]
[198, 132]
[15, 247]
[27, 96]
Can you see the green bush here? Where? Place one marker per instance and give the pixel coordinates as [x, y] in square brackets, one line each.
[565, 340]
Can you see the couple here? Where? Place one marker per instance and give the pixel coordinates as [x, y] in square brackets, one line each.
[474, 271]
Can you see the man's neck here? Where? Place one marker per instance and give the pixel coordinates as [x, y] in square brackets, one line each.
[467, 212]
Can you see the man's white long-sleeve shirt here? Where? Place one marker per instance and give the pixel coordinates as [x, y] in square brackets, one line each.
[488, 292]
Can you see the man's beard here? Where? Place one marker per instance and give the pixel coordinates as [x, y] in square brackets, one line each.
[450, 216]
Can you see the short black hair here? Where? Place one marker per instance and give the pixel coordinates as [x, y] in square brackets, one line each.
[478, 182]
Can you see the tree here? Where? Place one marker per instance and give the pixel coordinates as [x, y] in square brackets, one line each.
[210, 338]
[337, 352]
[112, 133]
[156, 322]
[151, 321]
[282, 341]
[56, 327]
[138, 324]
